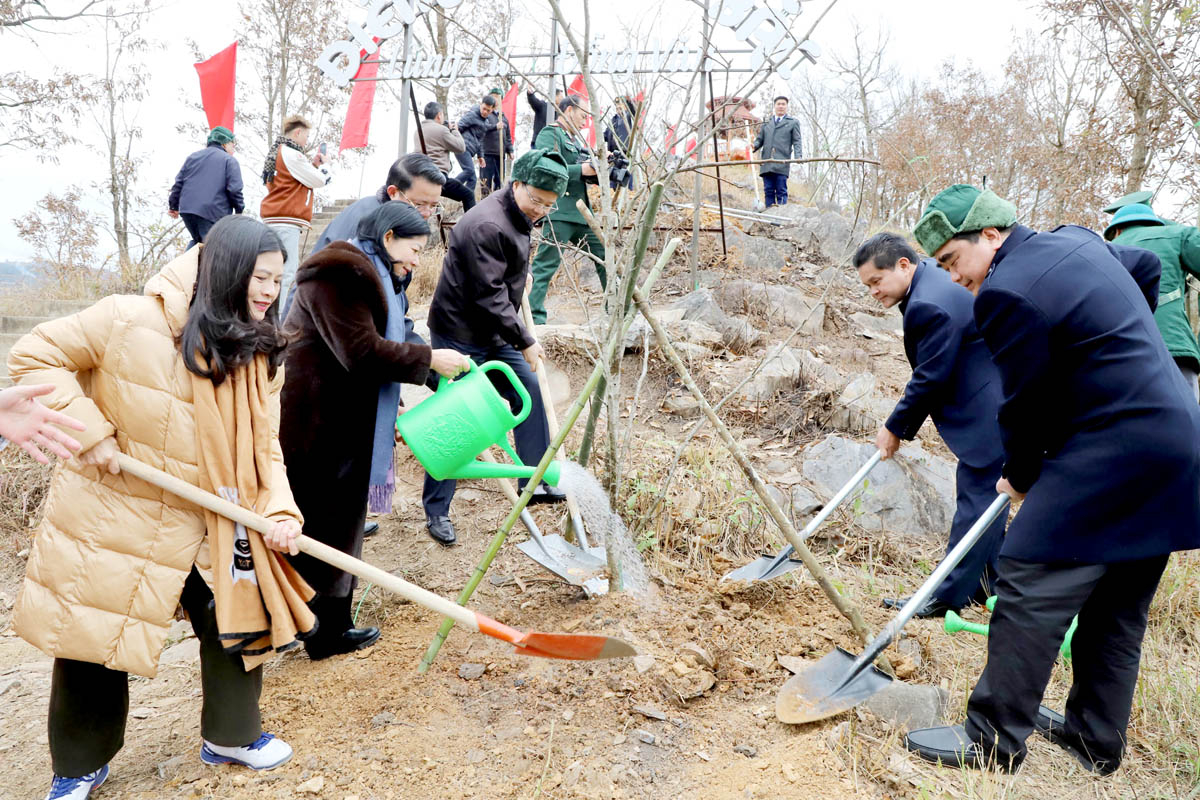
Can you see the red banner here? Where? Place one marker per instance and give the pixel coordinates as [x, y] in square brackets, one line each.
[671, 140]
[358, 116]
[218, 78]
[509, 106]
[579, 88]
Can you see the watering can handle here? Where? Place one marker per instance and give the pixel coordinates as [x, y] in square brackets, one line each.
[518, 387]
[443, 380]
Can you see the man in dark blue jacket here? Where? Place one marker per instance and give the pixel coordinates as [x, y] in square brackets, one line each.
[1102, 444]
[474, 125]
[955, 382]
[208, 186]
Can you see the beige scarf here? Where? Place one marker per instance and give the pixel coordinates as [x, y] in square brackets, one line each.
[260, 599]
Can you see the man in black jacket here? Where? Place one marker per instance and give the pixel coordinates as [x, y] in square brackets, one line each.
[1101, 443]
[955, 382]
[474, 126]
[476, 308]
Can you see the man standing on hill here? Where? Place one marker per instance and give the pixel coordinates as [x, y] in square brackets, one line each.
[208, 186]
[496, 145]
[1102, 449]
[474, 125]
[778, 138]
[475, 309]
[955, 382]
[1178, 250]
[440, 140]
[567, 225]
[291, 178]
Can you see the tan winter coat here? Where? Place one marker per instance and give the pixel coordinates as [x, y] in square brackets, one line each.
[112, 552]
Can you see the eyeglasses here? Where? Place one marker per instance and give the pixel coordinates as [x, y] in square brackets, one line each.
[549, 208]
[432, 208]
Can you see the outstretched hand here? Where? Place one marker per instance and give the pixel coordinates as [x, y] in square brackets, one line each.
[32, 426]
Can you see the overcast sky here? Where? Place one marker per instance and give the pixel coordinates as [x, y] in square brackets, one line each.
[924, 34]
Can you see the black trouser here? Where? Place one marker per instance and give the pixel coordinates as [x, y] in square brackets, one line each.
[489, 176]
[532, 436]
[89, 702]
[1037, 602]
[975, 575]
[453, 190]
[198, 227]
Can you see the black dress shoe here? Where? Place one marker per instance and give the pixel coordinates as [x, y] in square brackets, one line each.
[547, 494]
[948, 746]
[1050, 725]
[441, 529]
[370, 529]
[354, 639]
[934, 608]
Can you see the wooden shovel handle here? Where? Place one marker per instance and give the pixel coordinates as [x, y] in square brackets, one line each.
[308, 545]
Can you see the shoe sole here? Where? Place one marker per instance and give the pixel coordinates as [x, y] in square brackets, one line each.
[217, 760]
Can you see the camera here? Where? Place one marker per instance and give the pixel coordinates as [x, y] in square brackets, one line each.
[618, 167]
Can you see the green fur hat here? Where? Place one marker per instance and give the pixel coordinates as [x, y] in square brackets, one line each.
[220, 135]
[961, 209]
[542, 169]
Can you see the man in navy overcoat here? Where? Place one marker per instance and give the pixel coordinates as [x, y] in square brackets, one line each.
[955, 382]
[1102, 445]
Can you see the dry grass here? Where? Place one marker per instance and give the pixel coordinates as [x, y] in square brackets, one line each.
[425, 276]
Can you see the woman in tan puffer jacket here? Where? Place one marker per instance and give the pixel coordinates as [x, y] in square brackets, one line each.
[114, 556]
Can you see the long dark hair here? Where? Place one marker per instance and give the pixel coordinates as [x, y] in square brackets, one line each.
[219, 328]
[401, 219]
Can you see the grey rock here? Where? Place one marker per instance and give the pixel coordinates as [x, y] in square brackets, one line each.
[814, 230]
[383, 718]
[908, 706]
[912, 649]
[782, 372]
[787, 304]
[748, 751]
[168, 768]
[650, 712]
[643, 663]
[912, 493]
[890, 323]
[682, 405]
[736, 334]
[816, 372]
[860, 408]
[470, 672]
[761, 253]
[804, 503]
[644, 736]
[183, 652]
[778, 496]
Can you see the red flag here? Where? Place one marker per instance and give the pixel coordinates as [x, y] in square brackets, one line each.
[671, 140]
[509, 106]
[691, 147]
[358, 114]
[579, 88]
[217, 82]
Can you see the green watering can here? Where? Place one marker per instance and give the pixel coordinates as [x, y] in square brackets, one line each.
[953, 623]
[463, 418]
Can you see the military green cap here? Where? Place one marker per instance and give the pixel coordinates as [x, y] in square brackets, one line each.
[220, 135]
[495, 91]
[961, 209]
[1130, 214]
[542, 169]
[1130, 199]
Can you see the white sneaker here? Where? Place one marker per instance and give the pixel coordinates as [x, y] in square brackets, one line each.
[265, 752]
[76, 788]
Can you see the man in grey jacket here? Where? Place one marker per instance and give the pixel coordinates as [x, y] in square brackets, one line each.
[440, 139]
[778, 138]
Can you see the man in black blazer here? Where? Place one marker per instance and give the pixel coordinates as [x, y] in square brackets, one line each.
[1102, 444]
[955, 382]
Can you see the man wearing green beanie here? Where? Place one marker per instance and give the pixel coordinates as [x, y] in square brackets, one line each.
[1178, 250]
[208, 186]
[1102, 451]
[476, 309]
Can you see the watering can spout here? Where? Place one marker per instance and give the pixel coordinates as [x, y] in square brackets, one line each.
[484, 469]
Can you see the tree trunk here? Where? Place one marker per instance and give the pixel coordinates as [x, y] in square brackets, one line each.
[1139, 157]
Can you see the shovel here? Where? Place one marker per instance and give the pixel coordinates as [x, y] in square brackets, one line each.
[574, 565]
[839, 681]
[767, 567]
[571, 646]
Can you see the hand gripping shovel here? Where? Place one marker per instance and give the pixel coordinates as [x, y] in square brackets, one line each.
[839, 681]
[577, 647]
[767, 567]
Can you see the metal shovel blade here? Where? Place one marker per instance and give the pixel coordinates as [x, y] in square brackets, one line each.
[764, 569]
[816, 693]
[574, 565]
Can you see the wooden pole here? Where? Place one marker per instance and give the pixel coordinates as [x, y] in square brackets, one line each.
[717, 155]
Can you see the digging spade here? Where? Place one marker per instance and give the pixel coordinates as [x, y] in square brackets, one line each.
[576, 647]
[767, 567]
[839, 681]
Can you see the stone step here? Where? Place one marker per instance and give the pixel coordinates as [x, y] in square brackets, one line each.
[54, 308]
[17, 324]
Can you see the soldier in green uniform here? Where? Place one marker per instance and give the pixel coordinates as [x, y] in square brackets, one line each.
[565, 224]
[1178, 248]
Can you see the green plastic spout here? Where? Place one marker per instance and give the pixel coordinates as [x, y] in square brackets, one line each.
[954, 623]
[485, 469]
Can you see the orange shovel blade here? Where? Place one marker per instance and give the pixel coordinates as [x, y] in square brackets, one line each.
[570, 646]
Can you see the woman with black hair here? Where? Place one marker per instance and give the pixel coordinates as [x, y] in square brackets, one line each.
[345, 362]
[186, 379]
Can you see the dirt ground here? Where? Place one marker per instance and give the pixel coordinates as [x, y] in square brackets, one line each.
[694, 719]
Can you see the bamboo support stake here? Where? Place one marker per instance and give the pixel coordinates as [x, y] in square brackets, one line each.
[785, 526]
[614, 341]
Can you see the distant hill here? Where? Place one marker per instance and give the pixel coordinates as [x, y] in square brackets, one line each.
[17, 273]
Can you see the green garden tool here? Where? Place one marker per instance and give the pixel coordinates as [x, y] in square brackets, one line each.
[954, 623]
